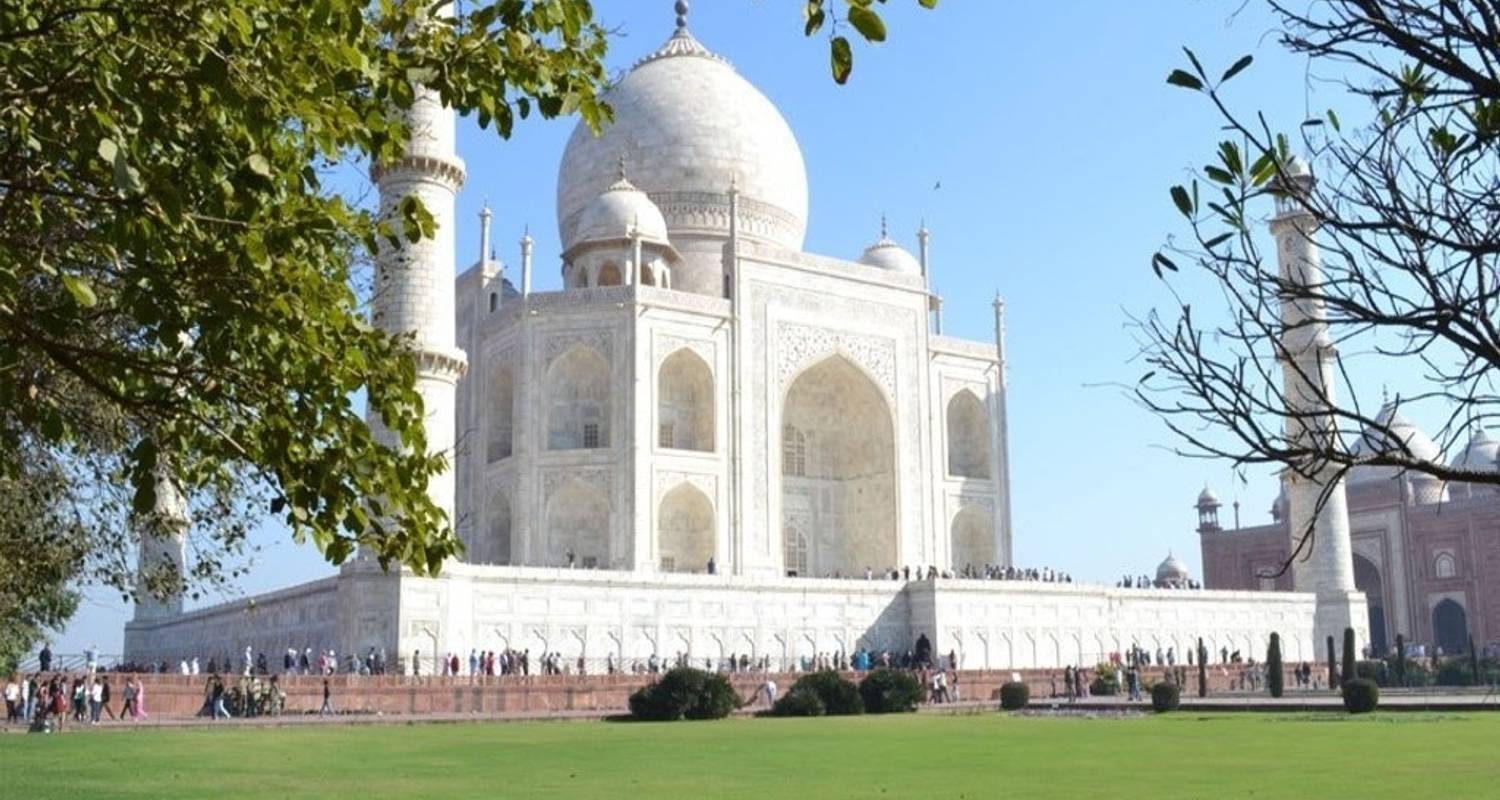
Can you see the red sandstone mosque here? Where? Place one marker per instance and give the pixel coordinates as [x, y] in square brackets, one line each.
[1426, 552]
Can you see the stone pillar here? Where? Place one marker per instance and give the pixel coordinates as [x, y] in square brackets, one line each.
[1326, 567]
[163, 543]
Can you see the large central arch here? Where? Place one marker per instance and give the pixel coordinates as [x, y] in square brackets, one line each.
[838, 486]
[1367, 580]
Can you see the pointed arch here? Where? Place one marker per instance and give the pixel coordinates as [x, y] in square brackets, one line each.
[578, 401]
[973, 538]
[578, 521]
[845, 500]
[609, 275]
[497, 547]
[685, 403]
[968, 436]
[501, 414]
[685, 530]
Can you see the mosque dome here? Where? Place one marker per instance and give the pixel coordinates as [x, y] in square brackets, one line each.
[690, 127]
[1172, 572]
[1207, 497]
[1401, 432]
[887, 255]
[618, 210]
[1480, 454]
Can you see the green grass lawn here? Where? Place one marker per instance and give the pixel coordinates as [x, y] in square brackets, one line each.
[975, 756]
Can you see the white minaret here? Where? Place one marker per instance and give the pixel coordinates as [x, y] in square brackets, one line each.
[526, 243]
[163, 541]
[1002, 436]
[414, 286]
[1326, 568]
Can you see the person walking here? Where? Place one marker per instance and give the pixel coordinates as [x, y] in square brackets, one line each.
[327, 709]
[12, 700]
[140, 700]
[216, 693]
[108, 697]
[96, 700]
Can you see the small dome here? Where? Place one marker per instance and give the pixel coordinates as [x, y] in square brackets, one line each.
[1279, 506]
[887, 255]
[1207, 497]
[1297, 168]
[1480, 454]
[1401, 432]
[1172, 571]
[619, 209]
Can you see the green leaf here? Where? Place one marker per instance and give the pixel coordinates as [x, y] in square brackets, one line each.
[841, 56]
[1237, 68]
[1333, 119]
[868, 23]
[258, 164]
[1159, 261]
[1183, 201]
[1184, 79]
[83, 294]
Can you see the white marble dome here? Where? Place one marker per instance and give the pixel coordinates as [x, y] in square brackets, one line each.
[690, 126]
[617, 210]
[1402, 431]
[1480, 454]
[1172, 572]
[887, 255]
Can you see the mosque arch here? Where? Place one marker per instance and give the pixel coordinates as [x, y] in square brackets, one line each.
[577, 527]
[843, 494]
[609, 275]
[685, 403]
[497, 545]
[973, 539]
[685, 530]
[1367, 579]
[502, 412]
[578, 401]
[968, 436]
[1450, 627]
[1444, 566]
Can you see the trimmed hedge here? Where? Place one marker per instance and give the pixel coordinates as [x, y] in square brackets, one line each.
[1275, 672]
[801, 701]
[840, 697]
[1361, 696]
[1105, 681]
[1165, 696]
[1014, 695]
[888, 691]
[684, 693]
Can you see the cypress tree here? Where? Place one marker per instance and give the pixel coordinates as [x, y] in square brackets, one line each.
[1347, 672]
[1400, 660]
[1333, 665]
[1202, 669]
[1275, 677]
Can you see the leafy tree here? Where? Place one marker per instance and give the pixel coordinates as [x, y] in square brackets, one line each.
[861, 15]
[838, 695]
[183, 290]
[1405, 214]
[889, 691]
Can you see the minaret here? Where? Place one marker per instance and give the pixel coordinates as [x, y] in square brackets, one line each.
[924, 238]
[1002, 431]
[163, 541]
[1326, 567]
[414, 289]
[526, 242]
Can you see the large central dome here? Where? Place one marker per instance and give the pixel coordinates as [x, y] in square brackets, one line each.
[687, 125]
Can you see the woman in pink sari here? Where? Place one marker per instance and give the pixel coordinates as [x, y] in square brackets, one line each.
[140, 699]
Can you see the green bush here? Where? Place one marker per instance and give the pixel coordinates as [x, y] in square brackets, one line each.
[1105, 681]
[1361, 696]
[1014, 695]
[1346, 672]
[1378, 671]
[801, 701]
[887, 691]
[1165, 696]
[684, 692]
[840, 697]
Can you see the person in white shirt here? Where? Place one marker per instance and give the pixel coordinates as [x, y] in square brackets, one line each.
[194, 665]
[12, 701]
[96, 701]
[182, 667]
[770, 691]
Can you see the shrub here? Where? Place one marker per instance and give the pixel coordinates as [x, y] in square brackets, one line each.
[1377, 671]
[1333, 666]
[1014, 695]
[886, 691]
[684, 692]
[1165, 697]
[1275, 671]
[1105, 681]
[801, 701]
[1202, 669]
[1361, 696]
[839, 696]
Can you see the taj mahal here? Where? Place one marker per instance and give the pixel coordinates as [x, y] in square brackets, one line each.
[711, 442]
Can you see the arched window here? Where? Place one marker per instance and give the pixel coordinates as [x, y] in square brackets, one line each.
[839, 470]
[968, 437]
[685, 530]
[577, 527]
[494, 301]
[578, 397]
[1450, 627]
[609, 275]
[502, 407]
[795, 550]
[685, 403]
[973, 538]
[497, 545]
[1445, 566]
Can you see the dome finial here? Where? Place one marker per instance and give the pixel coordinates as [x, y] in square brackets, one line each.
[682, 12]
[621, 168]
[884, 229]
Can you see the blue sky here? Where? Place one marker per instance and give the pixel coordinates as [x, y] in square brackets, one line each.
[1055, 138]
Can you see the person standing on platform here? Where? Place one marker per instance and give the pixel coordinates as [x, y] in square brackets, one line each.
[327, 709]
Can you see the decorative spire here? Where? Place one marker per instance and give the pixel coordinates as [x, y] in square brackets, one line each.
[884, 228]
[681, 43]
[682, 12]
[484, 230]
[622, 168]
